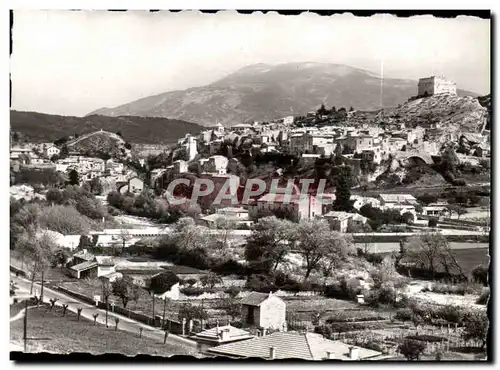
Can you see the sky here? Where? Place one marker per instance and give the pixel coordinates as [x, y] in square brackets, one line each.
[74, 62]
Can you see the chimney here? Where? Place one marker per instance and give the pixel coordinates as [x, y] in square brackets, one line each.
[225, 335]
[264, 332]
[330, 355]
[354, 353]
[272, 353]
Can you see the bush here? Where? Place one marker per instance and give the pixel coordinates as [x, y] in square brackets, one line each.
[230, 267]
[432, 222]
[485, 295]
[460, 289]
[426, 338]
[260, 283]
[404, 314]
[384, 295]
[194, 291]
[450, 313]
[233, 291]
[480, 274]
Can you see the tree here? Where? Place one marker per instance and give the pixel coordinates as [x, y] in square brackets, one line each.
[59, 258]
[128, 146]
[461, 211]
[210, 280]
[341, 249]
[187, 235]
[480, 274]
[123, 289]
[74, 177]
[232, 308]
[124, 238]
[430, 250]
[269, 243]
[322, 110]
[316, 241]
[450, 161]
[163, 282]
[119, 133]
[106, 293]
[476, 325]
[343, 183]
[190, 312]
[90, 207]
[96, 186]
[41, 247]
[408, 218]
[427, 198]
[84, 242]
[412, 349]
[65, 220]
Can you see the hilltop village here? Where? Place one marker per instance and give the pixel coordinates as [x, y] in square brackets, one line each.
[365, 236]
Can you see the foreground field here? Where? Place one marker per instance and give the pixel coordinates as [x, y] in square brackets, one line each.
[50, 332]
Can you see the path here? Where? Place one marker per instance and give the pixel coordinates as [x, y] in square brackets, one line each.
[125, 324]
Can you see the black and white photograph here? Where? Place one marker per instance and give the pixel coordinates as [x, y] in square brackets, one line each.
[238, 185]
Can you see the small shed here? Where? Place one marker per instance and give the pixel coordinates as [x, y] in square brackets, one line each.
[84, 270]
[264, 310]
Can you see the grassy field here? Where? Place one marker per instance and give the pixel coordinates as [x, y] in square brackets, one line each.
[470, 258]
[54, 333]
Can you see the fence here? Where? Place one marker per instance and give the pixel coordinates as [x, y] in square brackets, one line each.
[174, 326]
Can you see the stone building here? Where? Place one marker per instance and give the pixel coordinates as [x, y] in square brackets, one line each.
[263, 310]
[436, 85]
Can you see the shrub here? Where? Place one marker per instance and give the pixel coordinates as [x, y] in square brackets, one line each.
[483, 299]
[426, 338]
[460, 289]
[194, 291]
[233, 291]
[404, 314]
[260, 283]
[454, 314]
[230, 267]
[432, 222]
[480, 274]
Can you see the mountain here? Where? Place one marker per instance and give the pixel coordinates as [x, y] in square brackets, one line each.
[39, 127]
[264, 92]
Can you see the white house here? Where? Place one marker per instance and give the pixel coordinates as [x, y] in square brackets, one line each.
[51, 151]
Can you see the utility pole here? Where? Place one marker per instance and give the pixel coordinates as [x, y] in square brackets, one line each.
[164, 307]
[25, 335]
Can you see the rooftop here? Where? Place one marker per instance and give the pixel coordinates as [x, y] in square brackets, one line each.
[339, 215]
[398, 198]
[255, 298]
[307, 346]
[214, 334]
[84, 266]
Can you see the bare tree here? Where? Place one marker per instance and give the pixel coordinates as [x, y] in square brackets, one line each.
[427, 251]
[124, 238]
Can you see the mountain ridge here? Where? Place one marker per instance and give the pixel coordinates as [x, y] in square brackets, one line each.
[264, 92]
[41, 127]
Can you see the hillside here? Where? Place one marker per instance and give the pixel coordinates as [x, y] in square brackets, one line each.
[39, 127]
[452, 114]
[99, 143]
[264, 92]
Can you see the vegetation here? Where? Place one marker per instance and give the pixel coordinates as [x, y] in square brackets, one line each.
[412, 349]
[39, 127]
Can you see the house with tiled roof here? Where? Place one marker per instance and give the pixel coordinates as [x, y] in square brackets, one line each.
[264, 310]
[285, 345]
[218, 336]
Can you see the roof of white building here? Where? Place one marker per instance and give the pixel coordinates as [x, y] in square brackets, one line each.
[307, 346]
